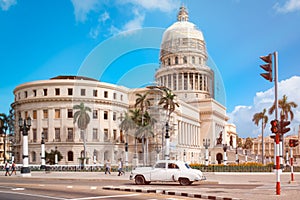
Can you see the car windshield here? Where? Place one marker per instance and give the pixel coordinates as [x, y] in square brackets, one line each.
[187, 166]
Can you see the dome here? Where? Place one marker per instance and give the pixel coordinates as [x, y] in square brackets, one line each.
[180, 30]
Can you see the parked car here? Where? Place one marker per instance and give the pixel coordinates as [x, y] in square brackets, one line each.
[167, 171]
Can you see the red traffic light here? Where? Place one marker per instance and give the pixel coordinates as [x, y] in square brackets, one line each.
[283, 128]
[267, 67]
[274, 126]
[293, 143]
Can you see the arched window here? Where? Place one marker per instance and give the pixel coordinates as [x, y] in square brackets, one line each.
[176, 60]
[70, 156]
[184, 60]
[193, 59]
[169, 61]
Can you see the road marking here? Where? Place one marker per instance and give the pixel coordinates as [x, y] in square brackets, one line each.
[14, 189]
[104, 197]
[69, 186]
[33, 195]
[93, 187]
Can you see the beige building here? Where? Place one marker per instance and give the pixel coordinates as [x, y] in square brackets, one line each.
[183, 69]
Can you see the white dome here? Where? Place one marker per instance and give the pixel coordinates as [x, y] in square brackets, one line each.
[182, 29]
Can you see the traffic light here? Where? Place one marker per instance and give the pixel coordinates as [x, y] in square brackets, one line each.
[283, 128]
[274, 126]
[267, 67]
[293, 143]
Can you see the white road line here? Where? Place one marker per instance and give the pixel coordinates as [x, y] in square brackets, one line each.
[14, 189]
[33, 195]
[102, 197]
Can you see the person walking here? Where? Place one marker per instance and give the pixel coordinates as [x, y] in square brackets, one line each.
[120, 167]
[107, 167]
[13, 168]
[7, 168]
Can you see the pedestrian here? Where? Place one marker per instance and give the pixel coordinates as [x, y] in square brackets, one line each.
[107, 167]
[13, 168]
[7, 168]
[120, 167]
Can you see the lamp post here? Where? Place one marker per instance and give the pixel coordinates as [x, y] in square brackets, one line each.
[56, 157]
[206, 144]
[236, 155]
[43, 157]
[167, 137]
[25, 127]
[184, 155]
[225, 153]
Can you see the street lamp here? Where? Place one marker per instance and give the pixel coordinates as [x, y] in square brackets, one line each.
[184, 155]
[236, 155]
[167, 152]
[206, 144]
[225, 153]
[43, 157]
[56, 157]
[25, 127]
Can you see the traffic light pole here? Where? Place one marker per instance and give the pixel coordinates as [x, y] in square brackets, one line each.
[277, 137]
[292, 164]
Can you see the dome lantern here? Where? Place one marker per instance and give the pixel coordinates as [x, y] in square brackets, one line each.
[183, 15]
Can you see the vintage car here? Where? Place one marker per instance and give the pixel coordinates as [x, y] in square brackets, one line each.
[166, 171]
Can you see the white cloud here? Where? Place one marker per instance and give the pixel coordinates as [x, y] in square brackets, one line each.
[104, 17]
[6, 4]
[289, 6]
[242, 116]
[136, 22]
[82, 8]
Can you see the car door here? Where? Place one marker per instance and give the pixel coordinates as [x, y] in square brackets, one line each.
[172, 169]
[159, 172]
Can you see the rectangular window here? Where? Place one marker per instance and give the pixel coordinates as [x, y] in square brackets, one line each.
[57, 114]
[115, 134]
[70, 113]
[70, 91]
[115, 95]
[105, 115]
[82, 92]
[82, 134]
[95, 134]
[95, 114]
[106, 138]
[121, 136]
[57, 134]
[95, 93]
[34, 134]
[45, 114]
[26, 94]
[70, 135]
[26, 114]
[34, 114]
[45, 131]
[121, 97]
[57, 91]
[105, 94]
[34, 93]
[114, 116]
[45, 92]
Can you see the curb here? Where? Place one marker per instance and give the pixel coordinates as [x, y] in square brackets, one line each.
[165, 192]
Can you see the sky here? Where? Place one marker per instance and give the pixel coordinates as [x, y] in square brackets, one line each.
[43, 39]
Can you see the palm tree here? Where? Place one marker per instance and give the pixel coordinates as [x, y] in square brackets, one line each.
[143, 103]
[169, 104]
[83, 119]
[4, 122]
[286, 108]
[264, 120]
[127, 124]
[135, 116]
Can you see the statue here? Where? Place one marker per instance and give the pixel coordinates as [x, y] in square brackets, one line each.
[219, 140]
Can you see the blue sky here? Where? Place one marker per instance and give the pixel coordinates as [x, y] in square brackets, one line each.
[43, 39]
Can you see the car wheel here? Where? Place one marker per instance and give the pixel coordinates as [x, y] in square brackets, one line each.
[140, 180]
[184, 181]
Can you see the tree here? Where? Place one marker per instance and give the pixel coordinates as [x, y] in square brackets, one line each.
[239, 142]
[168, 102]
[83, 119]
[142, 102]
[264, 120]
[4, 124]
[248, 143]
[126, 125]
[286, 108]
[50, 157]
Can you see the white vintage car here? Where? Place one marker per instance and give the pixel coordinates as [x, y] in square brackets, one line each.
[166, 171]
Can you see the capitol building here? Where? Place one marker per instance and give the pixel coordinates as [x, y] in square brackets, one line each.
[183, 69]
